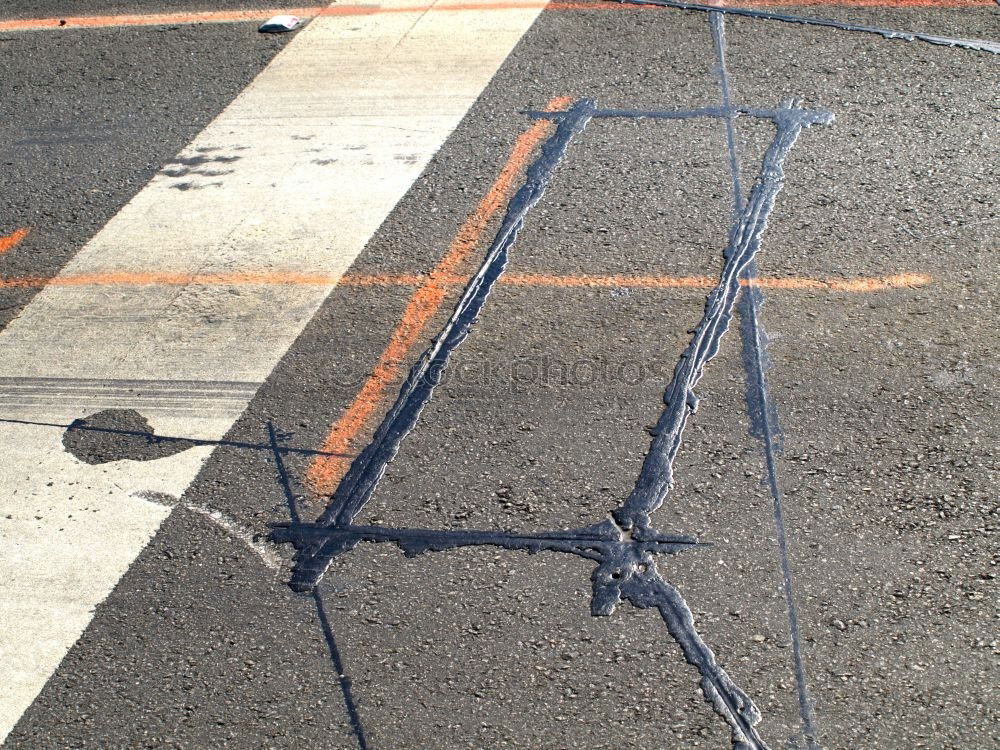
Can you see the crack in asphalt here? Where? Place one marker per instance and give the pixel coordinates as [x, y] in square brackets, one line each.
[976, 45]
[762, 412]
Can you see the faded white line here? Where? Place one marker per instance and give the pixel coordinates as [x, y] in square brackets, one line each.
[295, 176]
[240, 533]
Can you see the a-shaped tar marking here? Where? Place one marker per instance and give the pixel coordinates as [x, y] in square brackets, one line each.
[624, 547]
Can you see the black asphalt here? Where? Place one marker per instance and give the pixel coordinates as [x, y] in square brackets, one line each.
[89, 116]
[885, 399]
[75, 8]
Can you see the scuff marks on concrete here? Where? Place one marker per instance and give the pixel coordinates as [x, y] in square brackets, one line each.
[976, 45]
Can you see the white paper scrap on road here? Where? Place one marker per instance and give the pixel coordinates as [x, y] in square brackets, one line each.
[294, 176]
[280, 24]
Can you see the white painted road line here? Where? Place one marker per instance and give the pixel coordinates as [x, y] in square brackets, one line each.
[295, 175]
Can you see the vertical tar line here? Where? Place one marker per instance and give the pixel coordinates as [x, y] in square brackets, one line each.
[763, 416]
[283, 477]
[657, 475]
[754, 336]
[718, 24]
[342, 678]
[366, 471]
[331, 642]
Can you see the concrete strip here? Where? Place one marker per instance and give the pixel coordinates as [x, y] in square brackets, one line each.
[295, 176]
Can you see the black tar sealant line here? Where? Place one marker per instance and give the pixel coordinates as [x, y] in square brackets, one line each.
[762, 412]
[367, 469]
[284, 479]
[977, 45]
[350, 705]
[626, 569]
[717, 22]
[656, 477]
[342, 678]
[626, 572]
[764, 425]
[593, 542]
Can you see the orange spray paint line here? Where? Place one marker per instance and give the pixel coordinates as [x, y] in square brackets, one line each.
[12, 240]
[326, 471]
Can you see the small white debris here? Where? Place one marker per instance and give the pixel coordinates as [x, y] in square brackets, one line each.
[279, 24]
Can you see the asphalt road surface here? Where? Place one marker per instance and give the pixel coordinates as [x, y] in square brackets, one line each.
[211, 301]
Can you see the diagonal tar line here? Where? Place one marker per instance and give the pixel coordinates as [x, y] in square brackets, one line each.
[367, 469]
[763, 416]
[283, 476]
[645, 589]
[656, 477]
[338, 664]
[976, 45]
[285, 480]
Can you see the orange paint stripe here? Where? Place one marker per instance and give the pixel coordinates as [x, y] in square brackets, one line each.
[12, 240]
[325, 471]
[235, 16]
[166, 278]
[863, 284]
